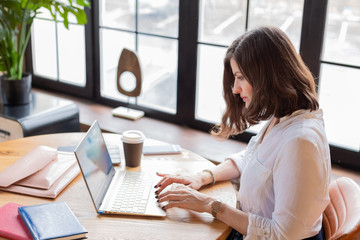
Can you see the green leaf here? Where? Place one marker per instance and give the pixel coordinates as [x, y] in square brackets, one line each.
[84, 3]
[65, 17]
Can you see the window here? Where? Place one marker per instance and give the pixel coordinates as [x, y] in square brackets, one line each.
[220, 23]
[59, 53]
[340, 74]
[181, 45]
[151, 29]
[284, 14]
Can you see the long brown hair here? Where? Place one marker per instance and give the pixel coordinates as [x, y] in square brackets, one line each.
[280, 80]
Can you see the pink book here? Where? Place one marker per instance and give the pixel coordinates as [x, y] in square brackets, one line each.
[11, 224]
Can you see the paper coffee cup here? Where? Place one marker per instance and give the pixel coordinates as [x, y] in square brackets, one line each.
[133, 141]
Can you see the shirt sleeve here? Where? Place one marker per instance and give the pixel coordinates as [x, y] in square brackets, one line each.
[242, 158]
[238, 159]
[300, 180]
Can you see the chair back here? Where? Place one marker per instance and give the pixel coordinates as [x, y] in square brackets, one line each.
[341, 218]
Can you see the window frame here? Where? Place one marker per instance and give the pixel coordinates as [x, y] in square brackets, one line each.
[311, 46]
[45, 83]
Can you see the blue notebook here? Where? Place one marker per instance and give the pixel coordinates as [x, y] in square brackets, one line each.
[52, 221]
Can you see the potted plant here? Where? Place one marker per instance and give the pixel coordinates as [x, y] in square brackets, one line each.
[16, 18]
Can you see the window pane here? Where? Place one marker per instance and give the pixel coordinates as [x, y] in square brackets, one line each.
[285, 14]
[44, 14]
[159, 17]
[72, 54]
[44, 48]
[117, 14]
[209, 100]
[221, 21]
[342, 38]
[158, 59]
[340, 99]
[111, 45]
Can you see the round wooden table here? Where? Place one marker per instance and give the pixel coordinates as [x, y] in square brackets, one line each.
[178, 224]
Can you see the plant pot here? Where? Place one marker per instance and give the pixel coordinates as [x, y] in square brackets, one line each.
[16, 92]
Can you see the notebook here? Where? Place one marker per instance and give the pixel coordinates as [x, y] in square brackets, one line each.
[11, 224]
[52, 221]
[112, 191]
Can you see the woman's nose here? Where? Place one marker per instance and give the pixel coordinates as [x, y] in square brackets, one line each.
[236, 88]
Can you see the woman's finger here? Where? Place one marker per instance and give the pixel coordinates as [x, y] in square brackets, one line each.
[162, 180]
[173, 191]
[173, 204]
[161, 174]
[165, 176]
[163, 185]
[166, 181]
[173, 197]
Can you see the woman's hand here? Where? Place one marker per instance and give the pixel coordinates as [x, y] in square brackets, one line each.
[194, 181]
[185, 197]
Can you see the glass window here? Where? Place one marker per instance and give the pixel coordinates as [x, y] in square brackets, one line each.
[117, 14]
[210, 103]
[342, 37]
[340, 100]
[72, 66]
[284, 14]
[152, 33]
[59, 53]
[111, 45]
[159, 17]
[44, 14]
[221, 21]
[158, 59]
[339, 81]
[44, 49]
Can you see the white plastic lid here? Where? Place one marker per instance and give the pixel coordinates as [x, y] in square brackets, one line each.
[133, 136]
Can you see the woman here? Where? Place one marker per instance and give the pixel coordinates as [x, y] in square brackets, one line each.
[285, 171]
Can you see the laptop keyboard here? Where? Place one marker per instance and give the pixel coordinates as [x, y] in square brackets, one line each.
[133, 193]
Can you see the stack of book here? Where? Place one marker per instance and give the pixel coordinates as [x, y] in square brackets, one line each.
[42, 172]
[40, 222]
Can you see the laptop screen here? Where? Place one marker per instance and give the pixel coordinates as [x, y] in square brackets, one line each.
[95, 163]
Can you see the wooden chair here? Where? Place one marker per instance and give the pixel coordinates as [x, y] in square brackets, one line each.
[341, 218]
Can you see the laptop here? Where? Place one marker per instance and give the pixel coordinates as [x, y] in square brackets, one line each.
[114, 192]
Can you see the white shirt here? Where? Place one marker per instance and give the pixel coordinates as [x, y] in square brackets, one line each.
[284, 180]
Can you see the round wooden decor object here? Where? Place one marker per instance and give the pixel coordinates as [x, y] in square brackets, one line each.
[129, 62]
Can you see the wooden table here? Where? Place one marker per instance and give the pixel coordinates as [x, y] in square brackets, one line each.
[178, 224]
